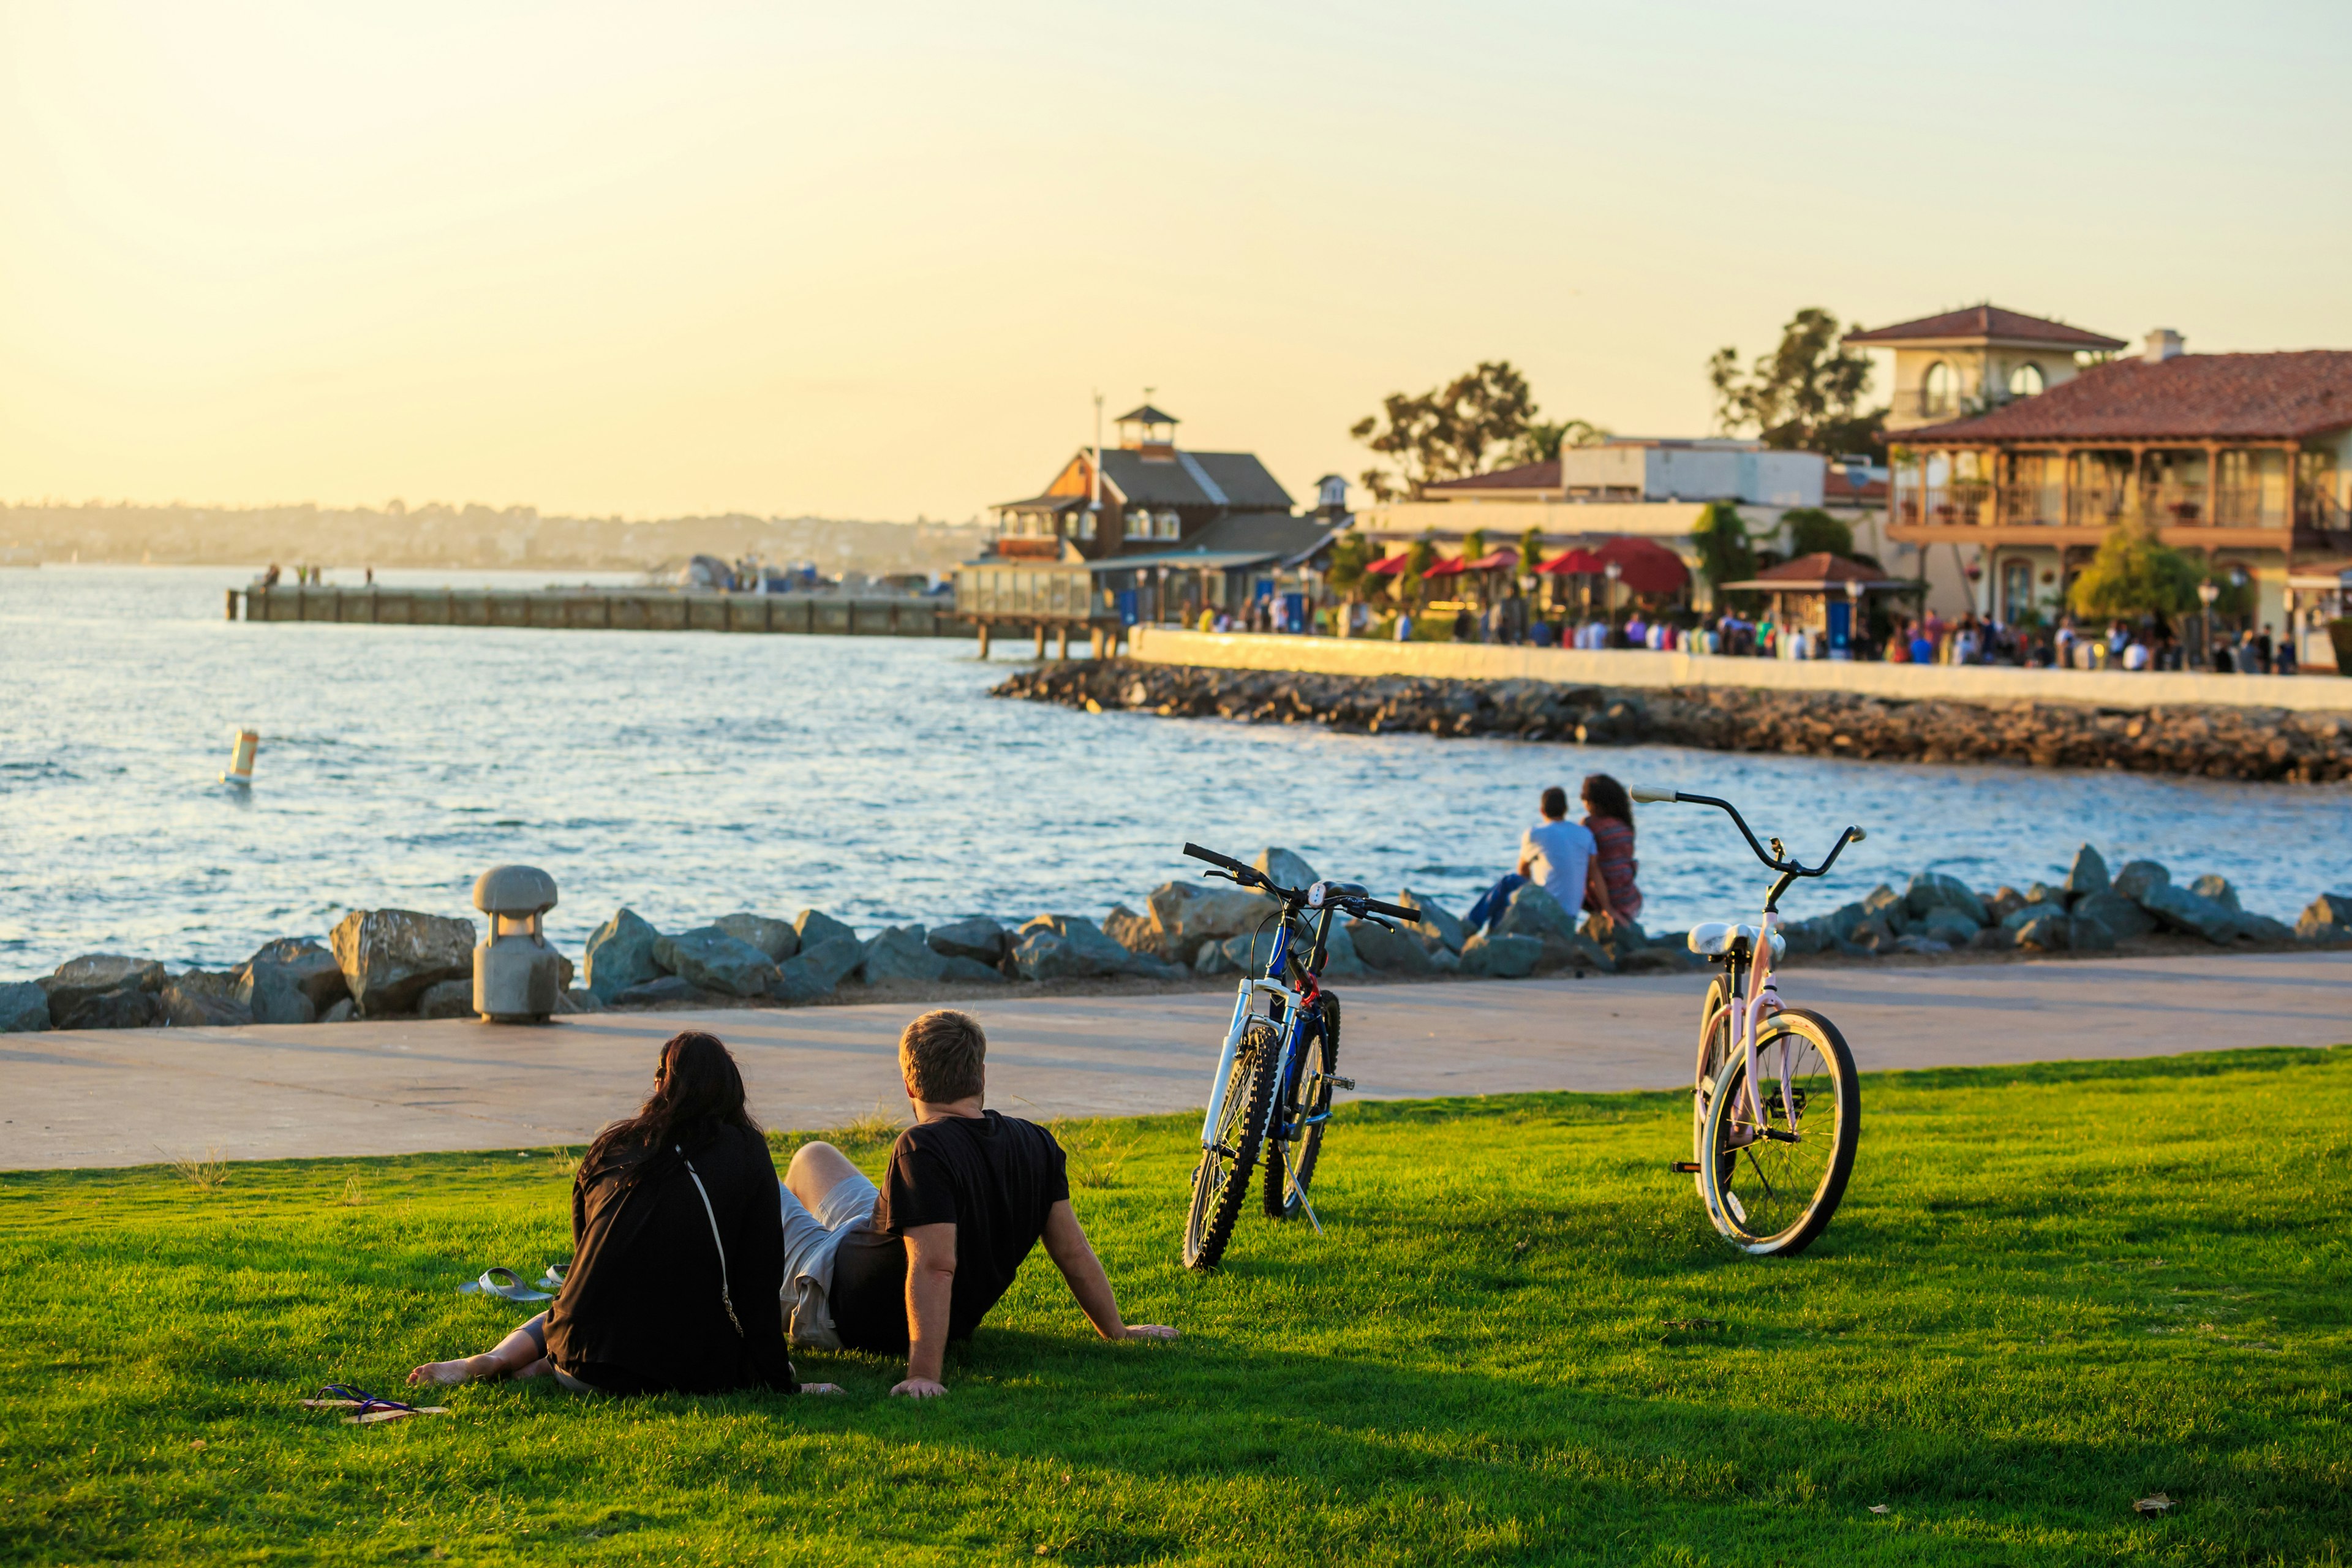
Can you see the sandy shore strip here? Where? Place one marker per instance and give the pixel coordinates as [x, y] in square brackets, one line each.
[99, 1097]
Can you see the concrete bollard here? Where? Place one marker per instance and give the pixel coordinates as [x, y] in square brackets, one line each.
[518, 978]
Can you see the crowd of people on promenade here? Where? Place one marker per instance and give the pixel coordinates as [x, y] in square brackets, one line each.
[2146, 644]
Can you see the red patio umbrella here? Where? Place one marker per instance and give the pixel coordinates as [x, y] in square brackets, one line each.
[1574, 562]
[1448, 568]
[1492, 561]
[1386, 566]
[1645, 566]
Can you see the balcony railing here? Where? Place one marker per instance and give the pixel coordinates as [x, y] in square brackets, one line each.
[1983, 505]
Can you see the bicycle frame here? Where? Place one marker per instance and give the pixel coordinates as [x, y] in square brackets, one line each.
[1286, 1007]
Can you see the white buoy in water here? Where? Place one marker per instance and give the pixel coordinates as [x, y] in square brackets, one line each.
[240, 760]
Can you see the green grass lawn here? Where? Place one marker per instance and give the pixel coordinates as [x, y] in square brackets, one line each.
[2051, 1290]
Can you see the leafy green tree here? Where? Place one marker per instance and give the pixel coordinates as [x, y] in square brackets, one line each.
[1473, 544]
[1543, 439]
[1447, 433]
[1725, 554]
[1530, 551]
[1804, 396]
[1419, 557]
[2134, 574]
[1811, 530]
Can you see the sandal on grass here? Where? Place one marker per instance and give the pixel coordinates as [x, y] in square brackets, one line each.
[554, 1277]
[366, 1407]
[505, 1284]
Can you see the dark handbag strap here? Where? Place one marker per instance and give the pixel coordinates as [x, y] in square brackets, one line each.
[726, 1296]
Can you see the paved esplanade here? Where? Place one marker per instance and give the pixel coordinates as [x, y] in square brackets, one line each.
[117, 1098]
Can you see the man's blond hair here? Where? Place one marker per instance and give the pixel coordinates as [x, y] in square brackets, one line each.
[941, 1053]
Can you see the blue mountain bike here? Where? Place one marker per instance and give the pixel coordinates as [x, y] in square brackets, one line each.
[1272, 1091]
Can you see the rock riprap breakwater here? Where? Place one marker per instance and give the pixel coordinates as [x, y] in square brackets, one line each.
[400, 964]
[2258, 744]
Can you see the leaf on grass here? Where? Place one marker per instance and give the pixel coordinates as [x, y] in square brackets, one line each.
[1696, 1323]
[1880, 1508]
[2156, 1502]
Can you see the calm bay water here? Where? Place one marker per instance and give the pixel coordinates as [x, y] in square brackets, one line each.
[689, 775]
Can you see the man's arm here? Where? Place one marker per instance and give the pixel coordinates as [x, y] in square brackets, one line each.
[1066, 1245]
[930, 1292]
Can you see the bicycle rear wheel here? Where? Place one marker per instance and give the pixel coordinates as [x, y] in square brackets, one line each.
[1714, 1049]
[1770, 1185]
[1222, 1178]
[1291, 1165]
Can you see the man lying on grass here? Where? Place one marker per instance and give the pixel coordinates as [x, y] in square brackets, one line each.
[969, 1192]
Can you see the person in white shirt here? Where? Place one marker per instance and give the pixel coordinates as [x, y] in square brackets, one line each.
[1555, 853]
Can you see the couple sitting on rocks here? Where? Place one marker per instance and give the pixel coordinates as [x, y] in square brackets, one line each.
[1588, 865]
[696, 1271]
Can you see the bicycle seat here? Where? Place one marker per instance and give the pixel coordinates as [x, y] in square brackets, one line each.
[1713, 939]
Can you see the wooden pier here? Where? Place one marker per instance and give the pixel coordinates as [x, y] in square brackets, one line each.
[602, 609]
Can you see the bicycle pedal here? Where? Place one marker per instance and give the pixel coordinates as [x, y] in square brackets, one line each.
[1337, 1082]
[1685, 1167]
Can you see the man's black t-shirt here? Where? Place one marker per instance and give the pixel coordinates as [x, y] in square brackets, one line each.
[994, 1178]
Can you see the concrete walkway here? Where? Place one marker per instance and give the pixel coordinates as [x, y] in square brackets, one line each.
[132, 1097]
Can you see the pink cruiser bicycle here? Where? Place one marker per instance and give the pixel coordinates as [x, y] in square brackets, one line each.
[1775, 1110]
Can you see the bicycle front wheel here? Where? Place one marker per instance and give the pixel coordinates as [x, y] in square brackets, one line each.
[1774, 1164]
[1222, 1179]
[1290, 1164]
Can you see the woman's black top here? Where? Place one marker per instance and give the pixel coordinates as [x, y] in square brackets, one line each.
[640, 1312]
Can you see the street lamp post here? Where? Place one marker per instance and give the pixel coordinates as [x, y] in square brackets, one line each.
[1609, 611]
[2206, 593]
[1853, 620]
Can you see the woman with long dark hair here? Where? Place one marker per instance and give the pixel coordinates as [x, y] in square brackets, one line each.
[677, 1251]
[1609, 816]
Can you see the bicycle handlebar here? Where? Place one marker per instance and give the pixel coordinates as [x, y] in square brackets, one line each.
[1250, 875]
[1787, 868]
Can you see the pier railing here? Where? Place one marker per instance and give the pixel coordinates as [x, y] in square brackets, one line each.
[601, 609]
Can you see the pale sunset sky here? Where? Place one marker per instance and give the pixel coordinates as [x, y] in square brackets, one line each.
[871, 260]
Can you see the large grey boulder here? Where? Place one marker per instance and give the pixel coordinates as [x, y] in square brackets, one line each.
[1534, 913]
[979, 938]
[955, 971]
[1437, 927]
[309, 968]
[2004, 901]
[446, 999]
[1931, 890]
[620, 954]
[2015, 921]
[1341, 960]
[1947, 925]
[1136, 932]
[2049, 931]
[2120, 915]
[777, 939]
[1071, 947]
[899, 955]
[661, 989]
[2328, 920]
[2261, 927]
[390, 957]
[1223, 955]
[24, 1008]
[1286, 868]
[77, 980]
[1391, 951]
[2139, 877]
[291, 981]
[2088, 933]
[125, 1008]
[1491, 957]
[2178, 909]
[1993, 939]
[815, 926]
[199, 999]
[1189, 913]
[818, 969]
[2088, 876]
[2217, 888]
[710, 959]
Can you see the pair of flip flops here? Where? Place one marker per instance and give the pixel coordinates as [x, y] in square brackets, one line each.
[508, 1286]
[365, 1407]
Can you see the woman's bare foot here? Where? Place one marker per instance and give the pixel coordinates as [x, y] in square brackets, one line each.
[452, 1372]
